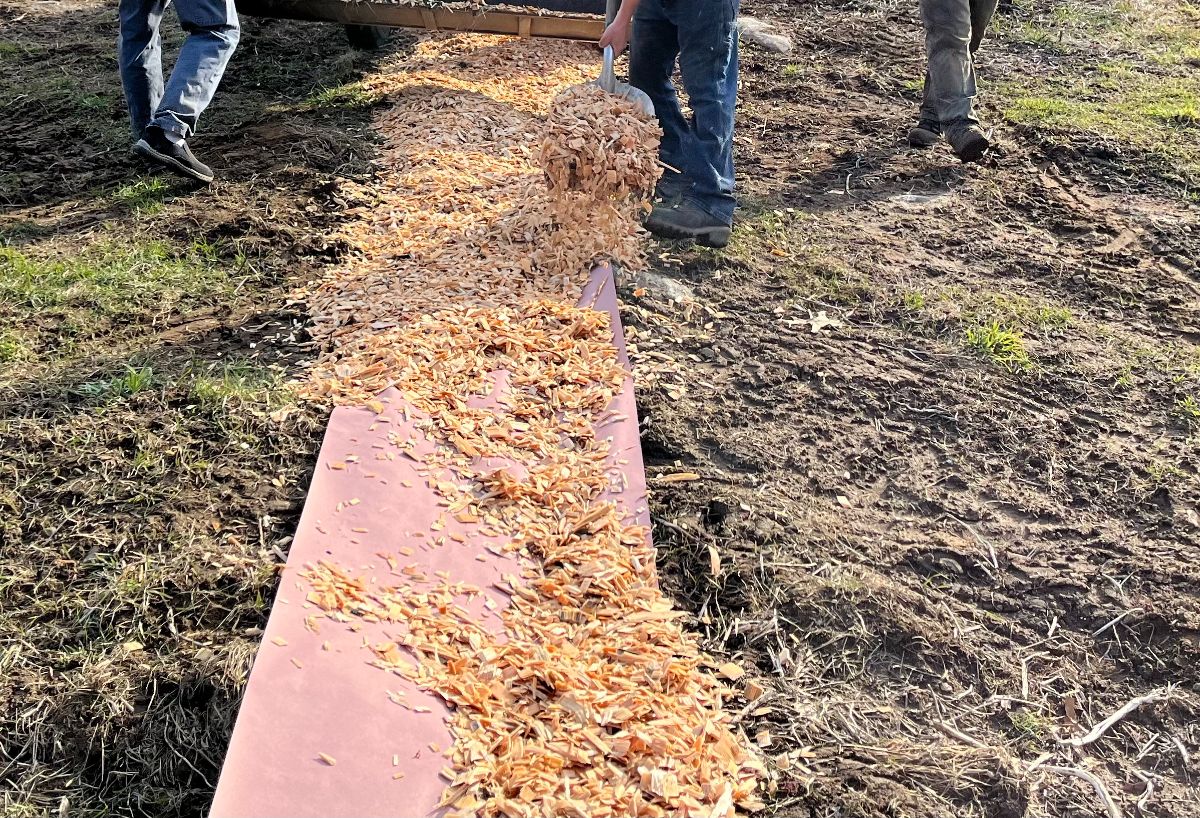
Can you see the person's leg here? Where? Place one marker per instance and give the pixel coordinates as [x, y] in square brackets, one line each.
[928, 129]
[951, 80]
[708, 61]
[213, 34]
[950, 83]
[139, 55]
[653, 47]
[982, 12]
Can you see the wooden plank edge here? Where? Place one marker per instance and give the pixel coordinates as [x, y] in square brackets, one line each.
[516, 24]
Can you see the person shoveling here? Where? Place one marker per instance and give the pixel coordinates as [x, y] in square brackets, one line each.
[695, 196]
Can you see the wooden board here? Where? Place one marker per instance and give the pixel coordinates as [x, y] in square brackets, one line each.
[517, 23]
[305, 698]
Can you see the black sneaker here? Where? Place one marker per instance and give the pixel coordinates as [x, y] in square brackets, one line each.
[687, 221]
[925, 134]
[969, 142]
[155, 147]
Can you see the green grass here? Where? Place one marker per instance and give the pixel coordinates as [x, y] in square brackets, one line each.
[1000, 344]
[1188, 409]
[913, 300]
[1164, 474]
[80, 292]
[777, 242]
[131, 381]
[350, 95]
[1146, 96]
[110, 278]
[12, 347]
[145, 196]
[237, 384]
[1031, 727]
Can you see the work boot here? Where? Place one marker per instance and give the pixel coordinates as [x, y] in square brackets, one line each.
[926, 133]
[156, 147]
[670, 189]
[687, 221]
[969, 142]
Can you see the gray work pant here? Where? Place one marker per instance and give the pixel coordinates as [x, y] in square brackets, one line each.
[212, 35]
[953, 32]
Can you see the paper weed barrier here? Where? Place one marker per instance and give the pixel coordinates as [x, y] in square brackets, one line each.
[461, 326]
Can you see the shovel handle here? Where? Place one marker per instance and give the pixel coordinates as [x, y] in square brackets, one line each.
[610, 12]
[608, 75]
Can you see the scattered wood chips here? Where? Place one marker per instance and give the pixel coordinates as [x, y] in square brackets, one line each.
[593, 701]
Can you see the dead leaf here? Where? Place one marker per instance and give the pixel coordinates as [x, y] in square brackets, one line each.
[820, 321]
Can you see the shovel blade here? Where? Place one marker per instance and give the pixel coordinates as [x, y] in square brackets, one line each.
[635, 95]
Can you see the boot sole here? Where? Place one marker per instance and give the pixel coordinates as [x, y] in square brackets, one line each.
[715, 237]
[974, 150]
[143, 149]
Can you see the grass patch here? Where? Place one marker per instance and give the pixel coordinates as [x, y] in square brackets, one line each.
[777, 242]
[1146, 96]
[239, 385]
[1031, 728]
[122, 385]
[80, 296]
[1000, 344]
[913, 300]
[12, 347]
[350, 95]
[110, 278]
[1187, 409]
[1164, 474]
[145, 196]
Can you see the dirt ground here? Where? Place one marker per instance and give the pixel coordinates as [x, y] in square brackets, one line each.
[947, 417]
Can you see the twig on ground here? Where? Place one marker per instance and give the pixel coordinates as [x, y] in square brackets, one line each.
[981, 540]
[954, 732]
[1103, 727]
[1025, 672]
[1184, 754]
[1145, 797]
[1113, 810]
[1114, 621]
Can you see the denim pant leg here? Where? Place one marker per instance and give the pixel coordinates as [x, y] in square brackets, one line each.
[139, 51]
[982, 12]
[213, 34]
[654, 46]
[950, 87]
[708, 61]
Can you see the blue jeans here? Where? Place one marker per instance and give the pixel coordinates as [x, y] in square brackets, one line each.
[212, 35]
[702, 34]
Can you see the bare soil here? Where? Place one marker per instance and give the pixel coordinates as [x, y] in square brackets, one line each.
[923, 547]
[941, 556]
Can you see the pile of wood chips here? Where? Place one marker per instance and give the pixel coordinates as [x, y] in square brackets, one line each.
[591, 700]
[595, 144]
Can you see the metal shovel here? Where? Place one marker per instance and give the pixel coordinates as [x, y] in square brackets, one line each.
[608, 81]
[608, 76]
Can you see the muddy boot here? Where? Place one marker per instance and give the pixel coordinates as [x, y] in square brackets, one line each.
[686, 221]
[926, 134]
[968, 141]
